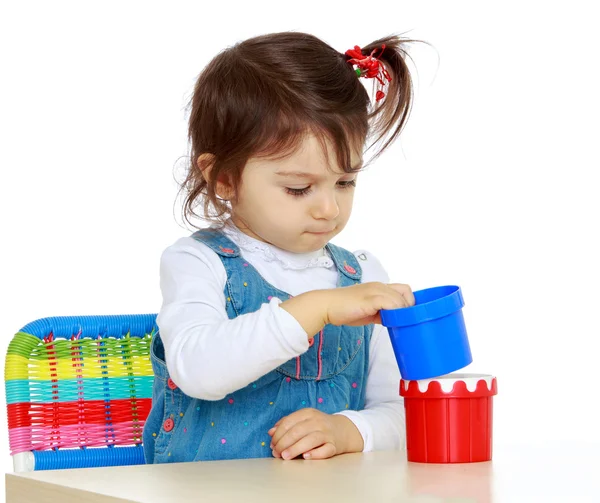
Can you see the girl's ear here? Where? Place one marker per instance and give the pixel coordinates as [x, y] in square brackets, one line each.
[223, 187]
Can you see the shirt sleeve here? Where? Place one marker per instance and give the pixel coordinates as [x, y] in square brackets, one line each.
[198, 335]
[382, 422]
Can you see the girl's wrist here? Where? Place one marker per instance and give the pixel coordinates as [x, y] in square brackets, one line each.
[309, 309]
[350, 438]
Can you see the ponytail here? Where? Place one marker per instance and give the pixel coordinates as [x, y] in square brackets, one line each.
[390, 113]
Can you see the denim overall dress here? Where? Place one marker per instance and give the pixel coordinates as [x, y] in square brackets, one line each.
[330, 376]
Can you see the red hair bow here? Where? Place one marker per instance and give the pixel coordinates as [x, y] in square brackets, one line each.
[369, 67]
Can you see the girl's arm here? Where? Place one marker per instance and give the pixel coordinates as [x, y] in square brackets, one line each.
[207, 354]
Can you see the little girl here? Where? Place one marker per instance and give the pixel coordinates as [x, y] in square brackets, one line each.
[270, 342]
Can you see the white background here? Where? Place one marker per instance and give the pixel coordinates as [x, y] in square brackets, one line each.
[492, 186]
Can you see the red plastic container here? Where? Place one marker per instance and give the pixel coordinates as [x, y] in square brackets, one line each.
[449, 419]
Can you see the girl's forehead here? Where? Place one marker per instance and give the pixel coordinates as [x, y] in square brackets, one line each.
[309, 158]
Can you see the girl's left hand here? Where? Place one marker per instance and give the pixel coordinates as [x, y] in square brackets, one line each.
[314, 435]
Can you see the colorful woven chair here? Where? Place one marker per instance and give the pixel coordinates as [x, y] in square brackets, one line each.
[79, 390]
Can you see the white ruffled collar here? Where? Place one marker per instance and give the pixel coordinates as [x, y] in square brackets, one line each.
[271, 253]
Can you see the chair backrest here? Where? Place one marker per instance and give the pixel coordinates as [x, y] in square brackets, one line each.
[79, 390]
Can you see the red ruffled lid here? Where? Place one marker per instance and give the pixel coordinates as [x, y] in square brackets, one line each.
[451, 386]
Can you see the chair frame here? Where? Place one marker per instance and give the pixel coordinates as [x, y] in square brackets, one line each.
[78, 391]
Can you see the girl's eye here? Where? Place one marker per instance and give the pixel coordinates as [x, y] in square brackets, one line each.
[347, 184]
[298, 192]
[302, 192]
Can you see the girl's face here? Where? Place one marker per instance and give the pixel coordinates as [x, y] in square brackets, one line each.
[298, 203]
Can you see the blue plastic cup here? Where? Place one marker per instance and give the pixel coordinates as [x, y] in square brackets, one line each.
[429, 338]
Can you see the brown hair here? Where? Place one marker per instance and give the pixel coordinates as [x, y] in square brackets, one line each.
[259, 97]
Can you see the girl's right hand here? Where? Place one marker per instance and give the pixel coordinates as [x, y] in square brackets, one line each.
[352, 305]
[360, 304]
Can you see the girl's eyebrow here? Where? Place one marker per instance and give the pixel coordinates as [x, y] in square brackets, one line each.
[298, 174]
[305, 174]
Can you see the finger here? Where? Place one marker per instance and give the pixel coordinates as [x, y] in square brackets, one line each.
[366, 321]
[405, 291]
[305, 444]
[280, 431]
[409, 296]
[287, 423]
[392, 297]
[388, 300]
[295, 434]
[281, 427]
[327, 450]
[272, 430]
[379, 302]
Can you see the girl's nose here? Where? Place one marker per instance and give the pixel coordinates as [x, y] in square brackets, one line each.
[326, 207]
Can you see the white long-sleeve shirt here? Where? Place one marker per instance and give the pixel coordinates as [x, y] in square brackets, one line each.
[209, 355]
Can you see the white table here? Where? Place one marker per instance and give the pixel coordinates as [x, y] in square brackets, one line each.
[565, 474]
